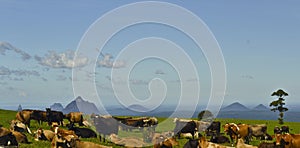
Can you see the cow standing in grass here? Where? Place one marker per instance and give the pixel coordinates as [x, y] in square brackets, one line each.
[184, 127]
[54, 116]
[75, 117]
[236, 131]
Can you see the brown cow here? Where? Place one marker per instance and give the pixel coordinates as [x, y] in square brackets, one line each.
[236, 131]
[41, 134]
[24, 116]
[76, 143]
[21, 138]
[74, 117]
[290, 140]
[4, 131]
[63, 133]
[166, 143]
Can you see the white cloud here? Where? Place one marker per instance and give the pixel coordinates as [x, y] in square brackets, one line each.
[62, 60]
[4, 46]
[109, 63]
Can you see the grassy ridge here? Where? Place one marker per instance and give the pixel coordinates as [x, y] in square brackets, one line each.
[165, 125]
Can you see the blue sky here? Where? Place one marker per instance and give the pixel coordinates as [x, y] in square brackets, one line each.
[259, 42]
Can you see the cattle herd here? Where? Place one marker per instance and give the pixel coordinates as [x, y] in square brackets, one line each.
[201, 134]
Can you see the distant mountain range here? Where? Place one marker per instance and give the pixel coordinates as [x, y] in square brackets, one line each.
[236, 106]
[77, 105]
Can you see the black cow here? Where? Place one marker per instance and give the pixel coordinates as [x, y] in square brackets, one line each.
[219, 139]
[185, 127]
[54, 116]
[134, 123]
[39, 116]
[271, 145]
[8, 140]
[82, 132]
[214, 128]
[106, 125]
[277, 130]
[285, 129]
[192, 143]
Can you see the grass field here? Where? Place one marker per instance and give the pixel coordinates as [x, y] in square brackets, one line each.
[165, 125]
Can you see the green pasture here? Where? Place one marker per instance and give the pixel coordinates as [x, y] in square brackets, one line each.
[164, 125]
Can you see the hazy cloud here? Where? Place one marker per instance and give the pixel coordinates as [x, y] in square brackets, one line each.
[44, 79]
[138, 82]
[109, 63]
[6, 71]
[62, 60]
[159, 72]
[247, 77]
[61, 78]
[5, 46]
[18, 79]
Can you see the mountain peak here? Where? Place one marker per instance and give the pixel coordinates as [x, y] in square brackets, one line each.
[261, 107]
[80, 105]
[79, 99]
[236, 106]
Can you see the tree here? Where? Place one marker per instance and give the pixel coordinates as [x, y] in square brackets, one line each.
[205, 115]
[278, 105]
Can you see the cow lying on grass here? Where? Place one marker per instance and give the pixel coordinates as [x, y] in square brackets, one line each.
[82, 132]
[41, 134]
[127, 141]
[8, 140]
[18, 126]
[76, 143]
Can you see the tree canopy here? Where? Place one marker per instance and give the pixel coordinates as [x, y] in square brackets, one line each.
[278, 105]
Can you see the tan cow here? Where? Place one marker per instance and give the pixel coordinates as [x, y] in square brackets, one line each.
[205, 144]
[76, 143]
[21, 138]
[4, 131]
[241, 144]
[41, 134]
[74, 117]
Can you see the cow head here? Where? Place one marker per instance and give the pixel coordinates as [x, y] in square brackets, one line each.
[282, 140]
[38, 134]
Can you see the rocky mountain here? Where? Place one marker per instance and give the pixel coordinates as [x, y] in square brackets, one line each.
[57, 107]
[236, 106]
[261, 107]
[80, 105]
